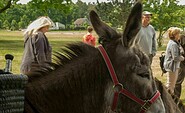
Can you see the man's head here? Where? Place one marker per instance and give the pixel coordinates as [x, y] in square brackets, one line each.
[146, 16]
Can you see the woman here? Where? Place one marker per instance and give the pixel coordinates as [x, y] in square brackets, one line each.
[173, 58]
[36, 46]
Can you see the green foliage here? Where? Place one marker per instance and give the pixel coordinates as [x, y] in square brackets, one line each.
[1, 24]
[25, 13]
[23, 22]
[45, 5]
[81, 8]
[115, 11]
[166, 13]
[14, 25]
[6, 24]
[5, 4]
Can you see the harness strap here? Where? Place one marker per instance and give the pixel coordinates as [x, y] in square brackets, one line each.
[148, 103]
[145, 104]
[115, 101]
[109, 65]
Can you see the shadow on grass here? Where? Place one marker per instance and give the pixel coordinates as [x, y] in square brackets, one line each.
[11, 44]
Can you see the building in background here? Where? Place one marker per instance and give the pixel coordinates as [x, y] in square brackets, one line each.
[58, 26]
[81, 23]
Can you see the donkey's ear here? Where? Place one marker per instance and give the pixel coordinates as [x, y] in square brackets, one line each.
[105, 33]
[133, 25]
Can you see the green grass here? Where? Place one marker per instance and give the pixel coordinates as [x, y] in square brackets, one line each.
[163, 48]
[12, 42]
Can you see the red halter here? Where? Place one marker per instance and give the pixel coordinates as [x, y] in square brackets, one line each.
[145, 104]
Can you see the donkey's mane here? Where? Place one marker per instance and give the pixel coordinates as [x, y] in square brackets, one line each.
[65, 55]
[167, 97]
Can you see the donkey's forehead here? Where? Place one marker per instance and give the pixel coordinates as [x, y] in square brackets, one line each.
[130, 53]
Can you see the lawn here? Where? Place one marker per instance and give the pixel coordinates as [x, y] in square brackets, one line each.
[11, 42]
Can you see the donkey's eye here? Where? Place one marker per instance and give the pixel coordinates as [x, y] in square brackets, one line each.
[144, 75]
[142, 71]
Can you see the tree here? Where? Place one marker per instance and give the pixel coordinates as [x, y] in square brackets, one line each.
[5, 4]
[45, 5]
[14, 25]
[121, 11]
[40, 4]
[23, 22]
[1, 24]
[6, 25]
[35, 8]
[115, 12]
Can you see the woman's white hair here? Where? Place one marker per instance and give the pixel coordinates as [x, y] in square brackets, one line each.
[37, 24]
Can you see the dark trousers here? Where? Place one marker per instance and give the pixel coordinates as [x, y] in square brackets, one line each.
[180, 79]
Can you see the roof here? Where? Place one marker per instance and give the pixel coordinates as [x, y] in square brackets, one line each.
[82, 21]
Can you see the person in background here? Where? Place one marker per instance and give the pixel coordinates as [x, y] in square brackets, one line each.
[146, 37]
[89, 38]
[173, 58]
[181, 75]
[36, 45]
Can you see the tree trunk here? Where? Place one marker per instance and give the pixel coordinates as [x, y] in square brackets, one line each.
[159, 39]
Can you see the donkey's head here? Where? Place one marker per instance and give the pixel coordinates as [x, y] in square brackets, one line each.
[130, 63]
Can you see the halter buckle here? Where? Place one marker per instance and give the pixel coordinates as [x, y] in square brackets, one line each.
[146, 105]
[119, 86]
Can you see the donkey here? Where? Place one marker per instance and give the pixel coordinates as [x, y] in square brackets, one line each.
[114, 77]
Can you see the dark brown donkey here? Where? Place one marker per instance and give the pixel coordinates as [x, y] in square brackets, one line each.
[79, 81]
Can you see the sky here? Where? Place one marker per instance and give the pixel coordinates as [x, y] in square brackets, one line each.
[182, 2]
